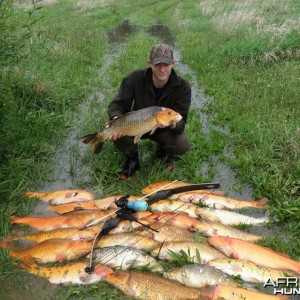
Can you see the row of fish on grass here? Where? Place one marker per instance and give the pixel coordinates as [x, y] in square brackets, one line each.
[208, 262]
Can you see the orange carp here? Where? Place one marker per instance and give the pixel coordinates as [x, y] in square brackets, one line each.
[130, 239]
[51, 250]
[135, 123]
[46, 223]
[72, 273]
[64, 233]
[220, 202]
[159, 184]
[61, 196]
[257, 254]
[207, 228]
[147, 286]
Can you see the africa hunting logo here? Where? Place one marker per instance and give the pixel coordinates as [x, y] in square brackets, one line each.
[284, 285]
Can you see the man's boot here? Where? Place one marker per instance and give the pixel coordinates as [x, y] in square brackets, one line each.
[131, 165]
[166, 159]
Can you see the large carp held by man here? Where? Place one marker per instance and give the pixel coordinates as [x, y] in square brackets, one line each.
[135, 123]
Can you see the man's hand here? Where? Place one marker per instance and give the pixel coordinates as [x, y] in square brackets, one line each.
[117, 135]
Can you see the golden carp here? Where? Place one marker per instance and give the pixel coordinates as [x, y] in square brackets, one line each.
[247, 270]
[168, 205]
[207, 228]
[64, 233]
[147, 286]
[72, 273]
[122, 257]
[51, 250]
[129, 239]
[226, 292]
[217, 229]
[89, 216]
[181, 220]
[167, 233]
[61, 196]
[135, 123]
[159, 184]
[45, 223]
[227, 217]
[99, 204]
[217, 215]
[197, 275]
[197, 252]
[220, 202]
[257, 254]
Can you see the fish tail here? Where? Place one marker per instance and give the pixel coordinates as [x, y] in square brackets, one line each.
[6, 245]
[95, 140]
[261, 203]
[30, 194]
[16, 220]
[28, 262]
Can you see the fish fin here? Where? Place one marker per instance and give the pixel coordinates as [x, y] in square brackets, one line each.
[153, 129]
[30, 194]
[27, 262]
[137, 138]
[6, 245]
[95, 140]
[261, 203]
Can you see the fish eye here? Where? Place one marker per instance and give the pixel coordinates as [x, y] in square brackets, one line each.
[169, 113]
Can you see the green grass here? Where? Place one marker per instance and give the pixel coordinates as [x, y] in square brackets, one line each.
[245, 57]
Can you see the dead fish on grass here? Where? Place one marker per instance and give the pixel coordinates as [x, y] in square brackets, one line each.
[159, 184]
[147, 286]
[247, 270]
[196, 252]
[257, 254]
[135, 123]
[72, 273]
[51, 250]
[198, 275]
[64, 233]
[221, 202]
[61, 196]
[125, 257]
[130, 239]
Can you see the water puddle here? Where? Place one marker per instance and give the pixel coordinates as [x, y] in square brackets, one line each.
[162, 33]
[119, 34]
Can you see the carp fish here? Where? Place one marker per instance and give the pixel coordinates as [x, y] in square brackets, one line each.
[198, 275]
[51, 250]
[61, 196]
[247, 270]
[147, 286]
[126, 257]
[257, 254]
[72, 273]
[135, 123]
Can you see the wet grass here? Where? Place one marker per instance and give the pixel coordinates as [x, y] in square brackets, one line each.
[246, 58]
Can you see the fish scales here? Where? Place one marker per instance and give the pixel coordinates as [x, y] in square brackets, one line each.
[247, 270]
[197, 252]
[198, 275]
[53, 250]
[72, 273]
[125, 257]
[240, 249]
[135, 123]
[147, 286]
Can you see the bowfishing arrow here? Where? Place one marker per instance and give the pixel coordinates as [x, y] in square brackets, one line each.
[128, 208]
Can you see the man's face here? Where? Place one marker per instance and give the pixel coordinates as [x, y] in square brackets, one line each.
[161, 72]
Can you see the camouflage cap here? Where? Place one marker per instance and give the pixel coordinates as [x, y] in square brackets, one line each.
[161, 53]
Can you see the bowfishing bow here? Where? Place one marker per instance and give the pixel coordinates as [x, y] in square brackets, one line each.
[128, 208]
